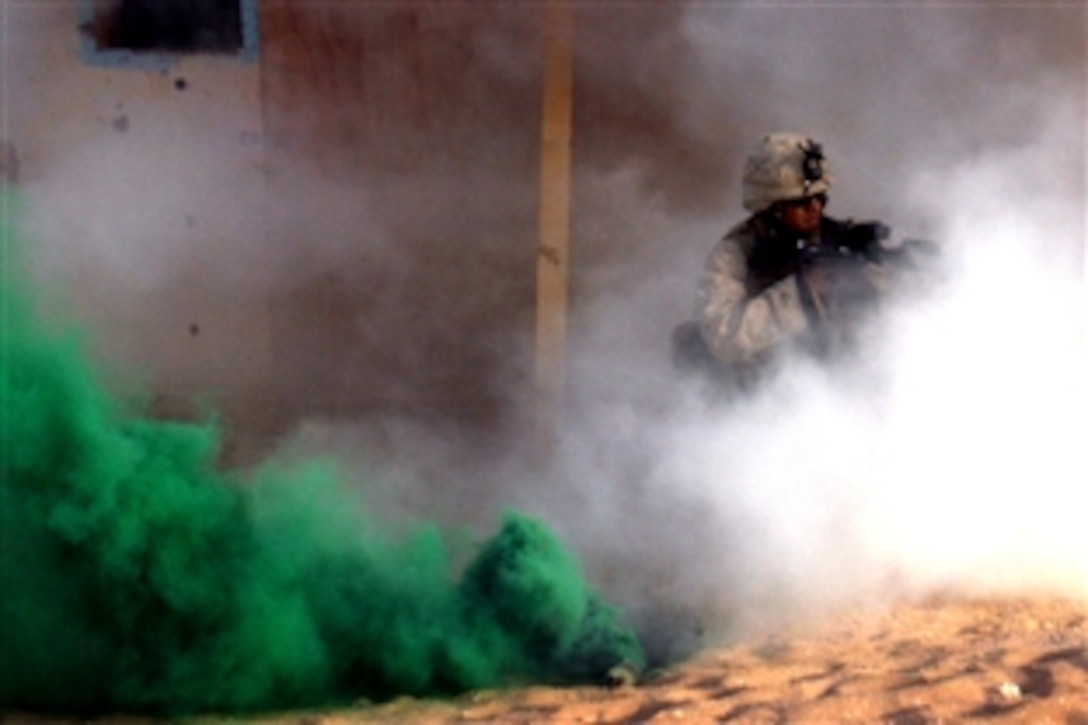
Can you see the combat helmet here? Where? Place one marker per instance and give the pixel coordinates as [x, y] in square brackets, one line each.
[784, 166]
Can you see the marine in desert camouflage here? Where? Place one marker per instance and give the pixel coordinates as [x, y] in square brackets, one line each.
[788, 277]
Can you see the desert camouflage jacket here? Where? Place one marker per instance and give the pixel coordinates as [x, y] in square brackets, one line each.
[751, 296]
[739, 315]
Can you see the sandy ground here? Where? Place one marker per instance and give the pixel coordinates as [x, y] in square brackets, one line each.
[1022, 660]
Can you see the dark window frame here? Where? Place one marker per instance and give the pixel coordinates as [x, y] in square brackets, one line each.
[97, 52]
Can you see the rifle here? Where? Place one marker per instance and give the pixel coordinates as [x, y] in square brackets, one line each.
[840, 261]
[864, 242]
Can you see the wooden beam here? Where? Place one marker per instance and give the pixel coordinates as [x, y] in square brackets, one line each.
[553, 258]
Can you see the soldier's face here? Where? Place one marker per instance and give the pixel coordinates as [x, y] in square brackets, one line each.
[802, 216]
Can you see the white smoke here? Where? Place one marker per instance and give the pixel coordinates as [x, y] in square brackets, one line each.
[949, 459]
[987, 404]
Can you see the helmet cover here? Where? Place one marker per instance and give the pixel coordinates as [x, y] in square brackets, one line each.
[784, 166]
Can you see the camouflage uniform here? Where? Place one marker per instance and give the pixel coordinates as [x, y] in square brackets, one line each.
[753, 296]
[742, 313]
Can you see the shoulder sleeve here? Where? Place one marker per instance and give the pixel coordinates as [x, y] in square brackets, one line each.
[738, 327]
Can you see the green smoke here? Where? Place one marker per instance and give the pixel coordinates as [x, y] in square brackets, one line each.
[136, 575]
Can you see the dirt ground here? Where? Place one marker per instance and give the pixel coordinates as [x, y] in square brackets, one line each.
[1021, 660]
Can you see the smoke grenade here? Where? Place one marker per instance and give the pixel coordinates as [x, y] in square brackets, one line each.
[138, 575]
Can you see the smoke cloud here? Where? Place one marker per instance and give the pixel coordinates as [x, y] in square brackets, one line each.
[944, 460]
[139, 577]
[393, 230]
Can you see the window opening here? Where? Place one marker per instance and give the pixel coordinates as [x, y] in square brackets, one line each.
[118, 30]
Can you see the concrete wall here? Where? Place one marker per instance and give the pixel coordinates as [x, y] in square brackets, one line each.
[339, 223]
[418, 159]
[130, 163]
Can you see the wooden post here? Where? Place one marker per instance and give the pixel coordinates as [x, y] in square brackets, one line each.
[553, 257]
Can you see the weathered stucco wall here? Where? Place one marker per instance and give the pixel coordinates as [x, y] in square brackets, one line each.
[136, 173]
[64, 96]
[413, 134]
[345, 225]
